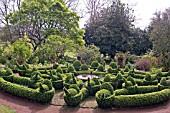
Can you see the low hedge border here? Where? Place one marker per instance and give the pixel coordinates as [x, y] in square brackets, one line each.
[139, 100]
[99, 73]
[104, 98]
[83, 72]
[139, 90]
[28, 93]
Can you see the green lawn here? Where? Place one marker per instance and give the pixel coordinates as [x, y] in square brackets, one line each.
[5, 109]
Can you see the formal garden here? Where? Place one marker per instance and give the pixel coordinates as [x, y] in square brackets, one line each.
[112, 85]
[45, 57]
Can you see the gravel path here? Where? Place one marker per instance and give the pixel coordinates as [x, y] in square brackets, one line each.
[21, 105]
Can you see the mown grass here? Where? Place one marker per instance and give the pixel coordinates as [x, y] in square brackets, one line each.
[5, 109]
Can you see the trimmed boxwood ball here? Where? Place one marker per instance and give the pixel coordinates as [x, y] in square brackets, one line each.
[85, 93]
[110, 70]
[107, 86]
[57, 81]
[34, 69]
[48, 83]
[72, 80]
[54, 77]
[36, 76]
[8, 72]
[55, 66]
[127, 84]
[71, 69]
[103, 93]
[75, 87]
[58, 84]
[131, 73]
[148, 77]
[72, 97]
[126, 69]
[104, 98]
[71, 92]
[113, 65]
[107, 78]
[96, 80]
[2, 72]
[94, 64]
[159, 74]
[59, 70]
[122, 72]
[120, 80]
[119, 76]
[69, 76]
[43, 88]
[100, 68]
[163, 81]
[84, 67]
[53, 72]
[77, 65]
[92, 87]
[132, 80]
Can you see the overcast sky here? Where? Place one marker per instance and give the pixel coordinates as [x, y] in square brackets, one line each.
[143, 10]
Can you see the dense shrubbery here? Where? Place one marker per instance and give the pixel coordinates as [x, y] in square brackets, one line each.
[94, 65]
[84, 67]
[107, 86]
[29, 93]
[72, 97]
[71, 69]
[101, 68]
[71, 79]
[77, 65]
[6, 72]
[144, 64]
[141, 99]
[92, 86]
[57, 81]
[59, 70]
[113, 65]
[104, 98]
[109, 92]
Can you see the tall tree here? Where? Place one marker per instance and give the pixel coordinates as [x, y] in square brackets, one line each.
[7, 6]
[41, 18]
[93, 7]
[111, 31]
[72, 4]
[140, 42]
[160, 31]
[160, 36]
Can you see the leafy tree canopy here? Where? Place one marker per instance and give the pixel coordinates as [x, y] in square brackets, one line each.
[111, 29]
[160, 31]
[41, 18]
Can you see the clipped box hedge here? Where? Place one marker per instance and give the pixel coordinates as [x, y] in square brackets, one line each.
[99, 73]
[28, 93]
[138, 90]
[43, 67]
[72, 97]
[104, 98]
[4, 72]
[58, 84]
[139, 100]
[83, 72]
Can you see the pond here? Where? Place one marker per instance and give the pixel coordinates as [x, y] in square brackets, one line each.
[85, 77]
